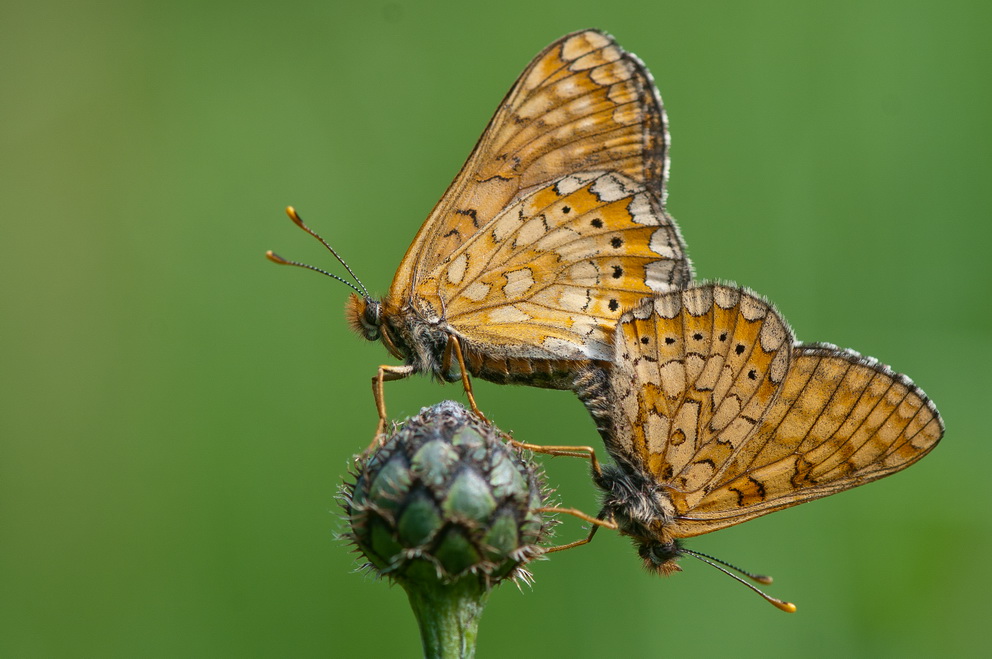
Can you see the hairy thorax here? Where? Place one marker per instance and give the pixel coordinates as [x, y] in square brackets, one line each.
[643, 511]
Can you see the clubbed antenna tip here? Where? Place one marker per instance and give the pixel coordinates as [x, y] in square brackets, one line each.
[298, 221]
[781, 605]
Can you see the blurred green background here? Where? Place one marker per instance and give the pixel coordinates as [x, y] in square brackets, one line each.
[177, 413]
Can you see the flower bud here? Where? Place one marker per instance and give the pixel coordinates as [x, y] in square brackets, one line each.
[445, 497]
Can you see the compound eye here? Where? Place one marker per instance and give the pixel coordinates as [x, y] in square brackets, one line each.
[373, 315]
[372, 320]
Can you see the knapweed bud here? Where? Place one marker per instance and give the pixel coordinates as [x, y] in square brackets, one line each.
[445, 498]
[447, 509]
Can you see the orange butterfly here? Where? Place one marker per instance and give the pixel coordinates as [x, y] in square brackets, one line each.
[714, 415]
[555, 224]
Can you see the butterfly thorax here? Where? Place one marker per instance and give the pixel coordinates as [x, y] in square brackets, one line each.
[407, 335]
[643, 510]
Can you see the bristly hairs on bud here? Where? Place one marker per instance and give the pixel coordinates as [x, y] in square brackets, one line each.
[447, 509]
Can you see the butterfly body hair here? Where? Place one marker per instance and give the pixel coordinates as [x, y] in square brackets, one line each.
[415, 340]
[642, 509]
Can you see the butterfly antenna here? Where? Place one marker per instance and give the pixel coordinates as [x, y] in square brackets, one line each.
[275, 258]
[782, 605]
[759, 578]
[298, 221]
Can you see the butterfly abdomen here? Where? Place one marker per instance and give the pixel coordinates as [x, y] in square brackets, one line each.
[427, 346]
[531, 371]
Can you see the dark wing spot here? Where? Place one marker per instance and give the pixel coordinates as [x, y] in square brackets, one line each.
[743, 498]
[752, 374]
[645, 340]
[616, 242]
[723, 337]
[669, 340]
[760, 486]
[739, 349]
[471, 213]
[566, 210]
[614, 305]
[496, 177]
[596, 222]
[617, 272]
[697, 336]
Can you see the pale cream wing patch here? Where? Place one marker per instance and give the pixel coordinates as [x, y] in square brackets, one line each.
[582, 105]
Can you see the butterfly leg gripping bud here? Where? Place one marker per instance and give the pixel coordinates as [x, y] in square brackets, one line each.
[447, 509]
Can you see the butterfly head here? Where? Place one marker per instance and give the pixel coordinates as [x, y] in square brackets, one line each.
[368, 319]
[659, 557]
[364, 316]
[643, 511]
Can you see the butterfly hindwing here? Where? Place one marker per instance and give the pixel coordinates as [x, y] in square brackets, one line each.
[554, 271]
[735, 420]
[706, 363]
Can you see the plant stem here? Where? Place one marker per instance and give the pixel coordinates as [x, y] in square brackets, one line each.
[448, 615]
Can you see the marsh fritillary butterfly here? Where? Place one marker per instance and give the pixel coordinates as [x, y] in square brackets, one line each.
[555, 224]
[714, 415]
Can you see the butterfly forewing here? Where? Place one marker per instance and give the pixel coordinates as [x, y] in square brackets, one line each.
[554, 225]
[736, 421]
[556, 222]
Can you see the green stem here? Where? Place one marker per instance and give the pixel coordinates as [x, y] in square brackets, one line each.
[448, 615]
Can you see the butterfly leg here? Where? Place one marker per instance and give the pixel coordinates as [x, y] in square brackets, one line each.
[587, 452]
[386, 373]
[595, 521]
[456, 346]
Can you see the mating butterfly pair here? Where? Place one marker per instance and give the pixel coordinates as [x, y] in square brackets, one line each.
[551, 261]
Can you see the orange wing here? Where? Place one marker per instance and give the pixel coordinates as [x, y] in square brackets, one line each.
[566, 183]
[721, 408]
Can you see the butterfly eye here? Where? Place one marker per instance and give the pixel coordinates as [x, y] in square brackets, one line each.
[372, 320]
[364, 316]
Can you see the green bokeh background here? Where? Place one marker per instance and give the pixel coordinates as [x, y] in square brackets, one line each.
[177, 413]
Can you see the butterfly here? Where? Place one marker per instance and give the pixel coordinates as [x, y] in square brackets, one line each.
[554, 225]
[715, 415]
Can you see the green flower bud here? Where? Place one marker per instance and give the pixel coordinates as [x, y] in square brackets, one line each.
[447, 509]
[443, 498]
